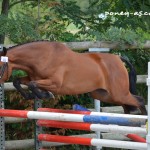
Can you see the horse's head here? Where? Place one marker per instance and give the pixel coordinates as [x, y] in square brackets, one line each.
[3, 65]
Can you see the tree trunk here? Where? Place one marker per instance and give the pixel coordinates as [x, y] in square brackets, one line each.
[4, 11]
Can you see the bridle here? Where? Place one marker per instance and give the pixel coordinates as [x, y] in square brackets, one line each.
[3, 68]
[4, 60]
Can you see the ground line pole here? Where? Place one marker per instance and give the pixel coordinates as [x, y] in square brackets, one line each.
[148, 84]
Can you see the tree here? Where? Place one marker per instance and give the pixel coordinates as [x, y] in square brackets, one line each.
[57, 15]
[11, 23]
[88, 20]
[4, 12]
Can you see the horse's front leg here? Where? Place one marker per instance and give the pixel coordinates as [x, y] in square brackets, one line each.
[40, 88]
[17, 84]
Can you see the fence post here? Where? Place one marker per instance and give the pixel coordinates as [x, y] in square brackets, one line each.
[97, 102]
[38, 129]
[2, 121]
[148, 84]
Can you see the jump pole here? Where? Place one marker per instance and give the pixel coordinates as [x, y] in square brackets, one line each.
[91, 127]
[148, 84]
[71, 117]
[93, 142]
[141, 117]
[87, 126]
[136, 138]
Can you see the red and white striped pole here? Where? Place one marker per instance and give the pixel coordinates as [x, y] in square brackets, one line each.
[91, 127]
[92, 142]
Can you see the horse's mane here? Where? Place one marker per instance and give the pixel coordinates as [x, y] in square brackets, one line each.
[26, 43]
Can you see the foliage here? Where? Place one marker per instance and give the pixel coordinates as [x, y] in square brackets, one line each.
[121, 36]
[54, 30]
[18, 28]
[56, 16]
[88, 17]
[17, 73]
[136, 57]
[3, 24]
[23, 29]
[119, 28]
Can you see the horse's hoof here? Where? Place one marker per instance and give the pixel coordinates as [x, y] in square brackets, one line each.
[47, 95]
[50, 95]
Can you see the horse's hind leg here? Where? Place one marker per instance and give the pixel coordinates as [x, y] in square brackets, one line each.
[142, 104]
[130, 102]
[101, 95]
[128, 109]
[104, 96]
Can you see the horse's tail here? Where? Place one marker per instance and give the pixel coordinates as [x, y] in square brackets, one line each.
[132, 76]
[132, 81]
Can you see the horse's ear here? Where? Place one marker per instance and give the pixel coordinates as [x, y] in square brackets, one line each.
[4, 51]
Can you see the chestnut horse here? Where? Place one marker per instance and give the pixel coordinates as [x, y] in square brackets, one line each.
[51, 66]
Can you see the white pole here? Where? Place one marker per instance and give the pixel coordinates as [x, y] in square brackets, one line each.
[148, 84]
[118, 129]
[119, 144]
[140, 117]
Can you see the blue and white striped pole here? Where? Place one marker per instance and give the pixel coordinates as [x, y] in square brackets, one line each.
[123, 121]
